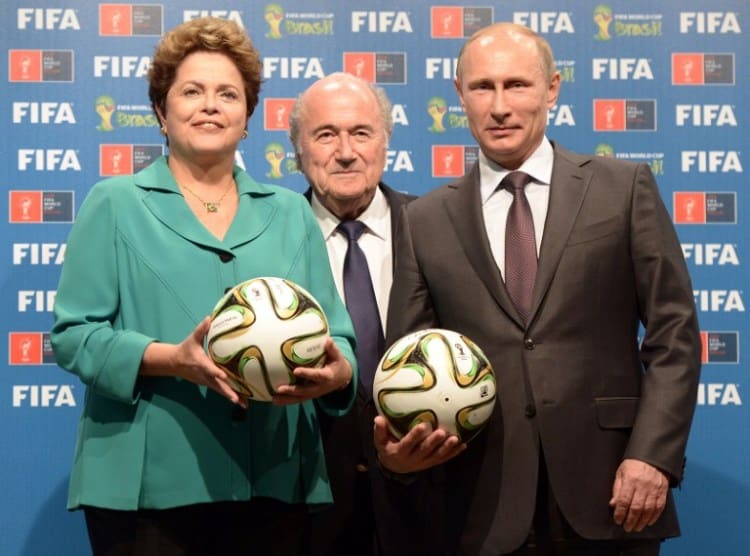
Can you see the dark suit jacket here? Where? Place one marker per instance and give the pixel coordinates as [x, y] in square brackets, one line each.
[365, 502]
[576, 382]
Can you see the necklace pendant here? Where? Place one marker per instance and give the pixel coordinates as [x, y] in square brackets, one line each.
[212, 207]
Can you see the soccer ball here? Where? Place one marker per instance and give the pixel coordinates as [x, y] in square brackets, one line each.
[435, 376]
[261, 330]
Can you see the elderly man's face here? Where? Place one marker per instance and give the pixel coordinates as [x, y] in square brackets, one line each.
[342, 145]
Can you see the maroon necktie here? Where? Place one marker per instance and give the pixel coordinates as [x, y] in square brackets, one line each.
[520, 245]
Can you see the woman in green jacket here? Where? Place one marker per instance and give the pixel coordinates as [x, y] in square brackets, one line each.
[169, 458]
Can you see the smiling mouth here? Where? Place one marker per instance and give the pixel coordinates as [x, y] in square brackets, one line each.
[209, 125]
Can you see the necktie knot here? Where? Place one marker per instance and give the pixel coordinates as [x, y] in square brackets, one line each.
[352, 229]
[515, 181]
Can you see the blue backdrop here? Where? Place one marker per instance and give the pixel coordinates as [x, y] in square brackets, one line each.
[660, 82]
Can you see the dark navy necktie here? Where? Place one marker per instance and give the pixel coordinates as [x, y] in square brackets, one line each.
[361, 304]
[520, 245]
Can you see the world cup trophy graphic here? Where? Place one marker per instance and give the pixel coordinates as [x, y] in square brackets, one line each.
[274, 15]
[603, 19]
[274, 157]
[436, 108]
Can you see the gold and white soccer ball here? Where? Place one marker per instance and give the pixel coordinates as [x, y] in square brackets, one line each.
[435, 376]
[261, 330]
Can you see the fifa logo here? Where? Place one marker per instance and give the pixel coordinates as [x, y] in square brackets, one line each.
[603, 19]
[25, 66]
[280, 113]
[274, 157]
[446, 20]
[609, 116]
[25, 203]
[687, 70]
[689, 209]
[115, 19]
[358, 67]
[276, 113]
[448, 163]
[25, 350]
[116, 161]
[436, 108]
[105, 108]
[274, 15]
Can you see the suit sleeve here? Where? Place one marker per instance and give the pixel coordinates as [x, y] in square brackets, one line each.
[671, 347]
[84, 339]
[410, 305]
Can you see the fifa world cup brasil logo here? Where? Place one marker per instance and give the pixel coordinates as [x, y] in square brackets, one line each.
[105, 107]
[605, 150]
[603, 19]
[274, 156]
[274, 14]
[437, 108]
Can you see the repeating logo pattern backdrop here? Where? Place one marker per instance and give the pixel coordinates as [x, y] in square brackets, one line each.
[655, 82]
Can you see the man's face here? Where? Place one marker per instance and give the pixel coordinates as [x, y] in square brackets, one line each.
[342, 145]
[506, 95]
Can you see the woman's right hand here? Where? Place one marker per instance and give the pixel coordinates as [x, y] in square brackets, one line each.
[189, 361]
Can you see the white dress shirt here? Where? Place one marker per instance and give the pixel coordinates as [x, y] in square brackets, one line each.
[375, 241]
[496, 200]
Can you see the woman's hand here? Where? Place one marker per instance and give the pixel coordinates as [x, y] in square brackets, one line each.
[314, 382]
[189, 361]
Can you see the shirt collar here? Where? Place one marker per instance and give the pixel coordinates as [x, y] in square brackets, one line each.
[538, 166]
[375, 216]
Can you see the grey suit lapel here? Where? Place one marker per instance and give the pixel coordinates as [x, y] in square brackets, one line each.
[396, 201]
[465, 212]
[570, 180]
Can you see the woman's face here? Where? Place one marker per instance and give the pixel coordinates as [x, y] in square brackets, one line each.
[206, 110]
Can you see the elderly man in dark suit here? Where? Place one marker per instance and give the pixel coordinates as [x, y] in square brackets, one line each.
[550, 261]
[340, 127]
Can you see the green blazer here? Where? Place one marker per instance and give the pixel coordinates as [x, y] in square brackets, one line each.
[140, 268]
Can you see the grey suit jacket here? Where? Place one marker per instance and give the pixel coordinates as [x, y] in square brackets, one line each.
[576, 381]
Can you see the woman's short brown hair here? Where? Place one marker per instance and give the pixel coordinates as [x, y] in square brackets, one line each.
[209, 34]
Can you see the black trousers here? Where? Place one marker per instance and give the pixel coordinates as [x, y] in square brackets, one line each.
[551, 535]
[261, 526]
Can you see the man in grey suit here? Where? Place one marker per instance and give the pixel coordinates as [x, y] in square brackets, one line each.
[340, 127]
[591, 424]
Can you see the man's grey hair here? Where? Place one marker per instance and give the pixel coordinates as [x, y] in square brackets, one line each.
[384, 105]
